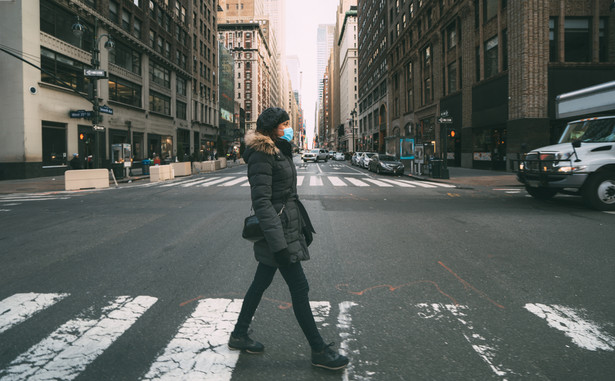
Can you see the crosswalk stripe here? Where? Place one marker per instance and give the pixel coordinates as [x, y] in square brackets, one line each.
[379, 183]
[357, 182]
[315, 181]
[399, 183]
[336, 181]
[233, 182]
[69, 349]
[20, 307]
[42, 198]
[220, 180]
[300, 180]
[199, 182]
[199, 350]
[175, 183]
[419, 183]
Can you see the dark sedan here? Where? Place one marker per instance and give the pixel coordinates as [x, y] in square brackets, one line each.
[381, 163]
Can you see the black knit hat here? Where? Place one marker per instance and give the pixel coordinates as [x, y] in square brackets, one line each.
[271, 118]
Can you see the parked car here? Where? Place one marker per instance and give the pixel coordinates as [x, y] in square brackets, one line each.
[354, 160]
[331, 154]
[382, 163]
[365, 158]
[339, 156]
[315, 155]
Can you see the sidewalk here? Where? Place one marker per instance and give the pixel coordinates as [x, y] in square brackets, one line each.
[56, 183]
[476, 177]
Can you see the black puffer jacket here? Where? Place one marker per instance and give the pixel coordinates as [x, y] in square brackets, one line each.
[273, 182]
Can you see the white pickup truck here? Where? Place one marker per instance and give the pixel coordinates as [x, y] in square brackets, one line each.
[583, 161]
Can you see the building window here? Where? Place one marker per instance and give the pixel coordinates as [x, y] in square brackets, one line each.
[180, 111]
[490, 9]
[602, 40]
[452, 77]
[126, 20]
[58, 23]
[152, 38]
[125, 57]
[113, 12]
[577, 40]
[491, 57]
[181, 86]
[54, 143]
[159, 103]
[451, 36]
[553, 56]
[159, 44]
[159, 75]
[124, 91]
[136, 28]
[68, 71]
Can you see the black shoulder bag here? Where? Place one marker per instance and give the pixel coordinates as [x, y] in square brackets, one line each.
[251, 226]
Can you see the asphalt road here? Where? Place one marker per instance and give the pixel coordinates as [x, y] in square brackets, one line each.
[413, 281]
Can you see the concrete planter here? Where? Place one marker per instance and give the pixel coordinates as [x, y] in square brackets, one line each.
[161, 173]
[182, 169]
[86, 179]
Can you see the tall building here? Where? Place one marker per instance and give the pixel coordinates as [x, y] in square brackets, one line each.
[348, 82]
[324, 43]
[295, 72]
[156, 90]
[372, 49]
[495, 68]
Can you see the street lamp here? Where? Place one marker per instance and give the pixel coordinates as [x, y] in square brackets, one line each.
[353, 114]
[78, 30]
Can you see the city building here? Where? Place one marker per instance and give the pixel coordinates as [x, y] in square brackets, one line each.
[348, 80]
[491, 69]
[324, 43]
[373, 91]
[83, 76]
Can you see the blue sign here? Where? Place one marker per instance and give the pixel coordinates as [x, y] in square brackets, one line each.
[80, 114]
[406, 149]
[106, 110]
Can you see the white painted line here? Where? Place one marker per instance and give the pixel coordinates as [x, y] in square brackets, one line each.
[20, 307]
[507, 189]
[246, 184]
[234, 182]
[609, 212]
[183, 182]
[398, 183]
[336, 181]
[199, 350]
[69, 349]
[443, 185]
[421, 184]
[486, 349]
[321, 311]
[379, 183]
[300, 180]
[584, 333]
[33, 199]
[199, 182]
[356, 182]
[513, 192]
[315, 181]
[220, 180]
[348, 345]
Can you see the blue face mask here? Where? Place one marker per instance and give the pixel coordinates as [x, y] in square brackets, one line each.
[288, 134]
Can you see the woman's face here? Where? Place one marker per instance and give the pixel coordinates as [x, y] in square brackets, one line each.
[281, 127]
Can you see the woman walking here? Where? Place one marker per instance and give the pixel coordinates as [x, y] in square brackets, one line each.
[288, 233]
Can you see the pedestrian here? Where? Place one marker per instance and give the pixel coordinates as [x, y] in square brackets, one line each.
[75, 162]
[273, 183]
[156, 159]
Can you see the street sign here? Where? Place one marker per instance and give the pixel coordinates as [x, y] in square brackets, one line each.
[98, 128]
[95, 73]
[80, 114]
[106, 110]
[443, 120]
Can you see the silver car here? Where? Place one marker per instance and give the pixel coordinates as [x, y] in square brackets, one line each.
[365, 158]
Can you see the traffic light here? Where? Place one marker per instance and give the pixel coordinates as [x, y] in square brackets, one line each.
[82, 136]
[452, 133]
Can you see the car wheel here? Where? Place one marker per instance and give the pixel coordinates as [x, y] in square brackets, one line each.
[541, 193]
[378, 170]
[599, 191]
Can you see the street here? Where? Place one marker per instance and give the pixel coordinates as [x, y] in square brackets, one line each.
[412, 280]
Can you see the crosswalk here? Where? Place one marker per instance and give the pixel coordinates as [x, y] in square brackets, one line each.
[198, 350]
[306, 181]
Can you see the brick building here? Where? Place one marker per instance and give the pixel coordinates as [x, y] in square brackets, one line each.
[495, 67]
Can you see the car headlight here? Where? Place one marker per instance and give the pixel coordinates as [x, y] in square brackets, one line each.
[569, 169]
[521, 166]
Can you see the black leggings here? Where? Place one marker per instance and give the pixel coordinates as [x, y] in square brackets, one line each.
[298, 286]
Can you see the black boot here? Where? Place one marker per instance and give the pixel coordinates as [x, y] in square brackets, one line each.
[329, 359]
[245, 343]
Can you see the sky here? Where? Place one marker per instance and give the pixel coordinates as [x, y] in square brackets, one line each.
[302, 20]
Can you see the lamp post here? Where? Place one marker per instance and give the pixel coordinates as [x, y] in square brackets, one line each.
[95, 75]
[353, 114]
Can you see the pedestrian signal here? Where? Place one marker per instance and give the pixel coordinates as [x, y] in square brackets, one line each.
[452, 133]
[82, 136]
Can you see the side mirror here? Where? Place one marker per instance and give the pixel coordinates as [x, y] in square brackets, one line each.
[576, 143]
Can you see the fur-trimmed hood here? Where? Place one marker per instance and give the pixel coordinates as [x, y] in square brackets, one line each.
[256, 141]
